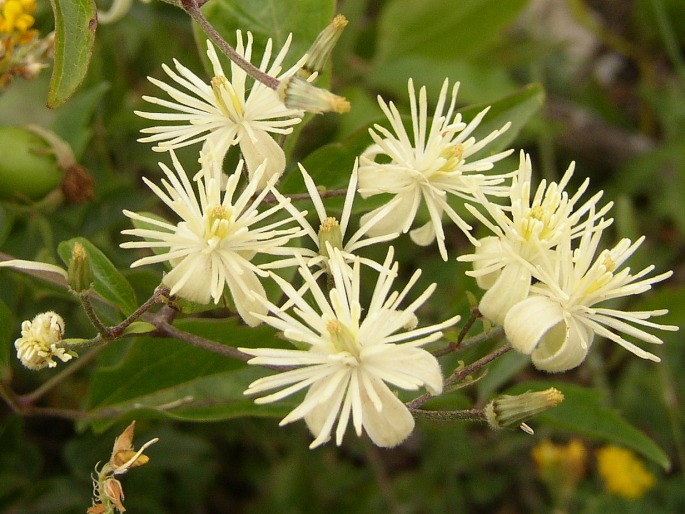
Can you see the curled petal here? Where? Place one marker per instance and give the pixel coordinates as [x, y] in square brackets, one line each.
[390, 425]
[537, 327]
[490, 245]
[512, 286]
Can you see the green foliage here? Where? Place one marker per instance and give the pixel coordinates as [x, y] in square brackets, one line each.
[110, 284]
[75, 24]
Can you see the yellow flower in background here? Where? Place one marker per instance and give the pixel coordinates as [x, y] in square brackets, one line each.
[558, 462]
[624, 474]
[16, 15]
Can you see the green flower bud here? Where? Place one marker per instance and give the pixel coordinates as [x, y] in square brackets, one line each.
[320, 51]
[508, 411]
[79, 275]
[329, 232]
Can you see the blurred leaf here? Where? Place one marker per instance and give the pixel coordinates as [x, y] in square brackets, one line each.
[73, 121]
[169, 378]
[584, 412]
[443, 28]
[6, 223]
[6, 324]
[516, 108]
[75, 24]
[499, 373]
[273, 19]
[110, 284]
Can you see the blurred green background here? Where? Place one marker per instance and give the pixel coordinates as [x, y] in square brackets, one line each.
[614, 80]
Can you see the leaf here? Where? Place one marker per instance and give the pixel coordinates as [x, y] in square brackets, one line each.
[170, 378]
[517, 108]
[273, 19]
[139, 327]
[75, 24]
[110, 284]
[73, 122]
[584, 412]
[6, 324]
[443, 28]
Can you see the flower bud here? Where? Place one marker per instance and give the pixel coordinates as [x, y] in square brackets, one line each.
[320, 51]
[299, 94]
[329, 232]
[511, 411]
[79, 275]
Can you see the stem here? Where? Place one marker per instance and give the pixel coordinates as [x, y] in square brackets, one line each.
[160, 292]
[193, 9]
[450, 415]
[459, 374]
[60, 377]
[168, 330]
[94, 320]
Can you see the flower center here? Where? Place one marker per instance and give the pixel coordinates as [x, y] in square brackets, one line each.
[605, 267]
[453, 155]
[218, 222]
[227, 99]
[345, 343]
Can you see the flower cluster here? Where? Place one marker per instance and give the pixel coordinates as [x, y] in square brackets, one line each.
[40, 341]
[22, 51]
[544, 275]
[229, 238]
[541, 268]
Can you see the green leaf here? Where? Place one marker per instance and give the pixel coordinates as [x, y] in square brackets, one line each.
[273, 19]
[443, 28]
[110, 284]
[139, 327]
[73, 122]
[75, 24]
[6, 324]
[584, 412]
[169, 378]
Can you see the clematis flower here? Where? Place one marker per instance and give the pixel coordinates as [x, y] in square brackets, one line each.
[557, 323]
[40, 342]
[223, 113]
[525, 232]
[217, 238]
[426, 168]
[334, 231]
[350, 360]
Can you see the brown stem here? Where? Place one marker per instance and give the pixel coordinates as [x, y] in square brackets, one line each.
[450, 415]
[459, 374]
[192, 8]
[168, 330]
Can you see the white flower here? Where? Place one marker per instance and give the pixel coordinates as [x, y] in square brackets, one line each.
[351, 360]
[40, 341]
[333, 230]
[525, 232]
[556, 324]
[223, 114]
[427, 168]
[217, 238]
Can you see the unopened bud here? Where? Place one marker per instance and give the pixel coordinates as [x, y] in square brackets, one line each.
[512, 411]
[320, 51]
[297, 93]
[80, 274]
[330, 233]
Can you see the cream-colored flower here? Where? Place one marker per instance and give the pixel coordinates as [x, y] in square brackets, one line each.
[334, 230]
[223, 113]
[526, 231]
[556, 324]
[350, 358]
[218, 236]
[427, 168]
[40, 341]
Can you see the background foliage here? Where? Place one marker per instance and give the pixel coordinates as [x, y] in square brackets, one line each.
[612, 76]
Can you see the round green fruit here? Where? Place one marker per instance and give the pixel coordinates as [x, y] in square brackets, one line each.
[28, 166]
